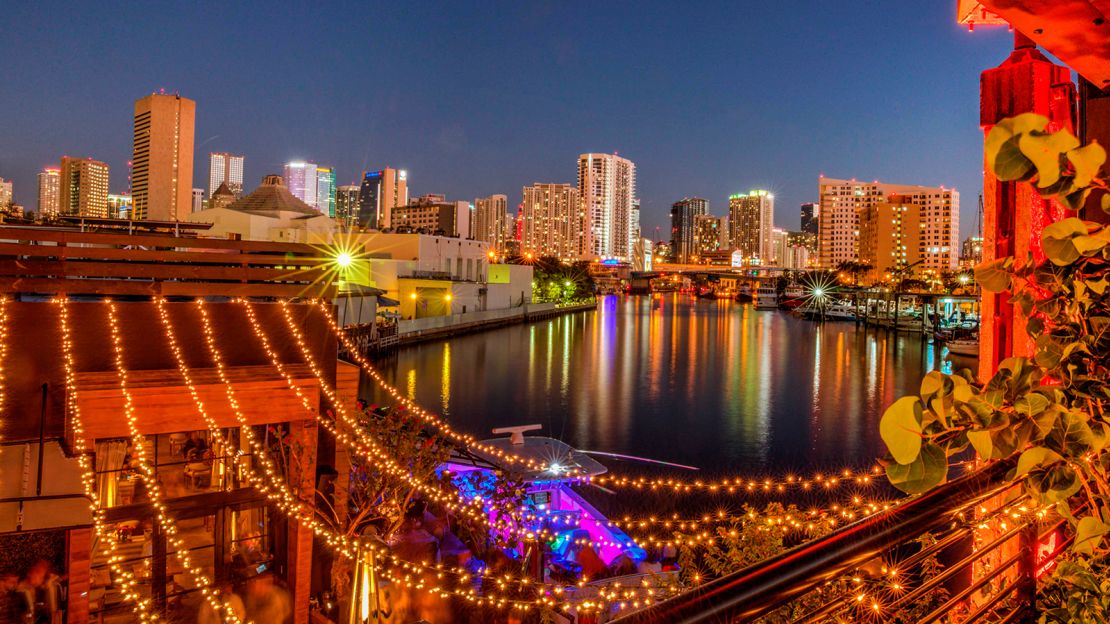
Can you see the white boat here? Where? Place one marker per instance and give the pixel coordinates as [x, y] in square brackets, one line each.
[766, 298]
[964, 346]
[836, 311]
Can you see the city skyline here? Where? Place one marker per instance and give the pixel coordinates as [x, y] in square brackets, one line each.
[467, 152]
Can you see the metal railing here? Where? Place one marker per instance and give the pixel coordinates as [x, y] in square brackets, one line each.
[970, 580]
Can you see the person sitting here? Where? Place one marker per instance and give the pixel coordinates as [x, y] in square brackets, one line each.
[194, 447]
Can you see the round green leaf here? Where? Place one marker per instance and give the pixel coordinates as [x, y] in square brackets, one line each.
[927, 471]
[1045, 151]
[900, 428]
[994, 275]
[1010, 163]
[1036, 457]
[1087, 160]
[1088, 534]
[981, 440]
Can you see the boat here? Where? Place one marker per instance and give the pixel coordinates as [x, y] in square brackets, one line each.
[766, 298]
[552, 507]
[745, 294]
[964, 346]
[835, 311]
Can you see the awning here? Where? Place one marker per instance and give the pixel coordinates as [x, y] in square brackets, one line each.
[387, 302]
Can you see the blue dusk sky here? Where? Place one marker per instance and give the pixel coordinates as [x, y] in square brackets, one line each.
[475, 98]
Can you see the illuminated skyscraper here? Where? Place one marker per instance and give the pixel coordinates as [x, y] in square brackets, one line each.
[607, 185]
[162, 162]
[751, 220]
[346, 204]
[488, 220]
[707, 234]
[300, 179]
[684, 218]
[6, 193]
[83, 187]
[845, 202]
[381, 192]
[552, 221]
[325, 190]
[49, 180]
[224, 167]
[810, 213]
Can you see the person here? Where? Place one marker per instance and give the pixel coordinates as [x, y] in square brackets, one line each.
[41, 592]
[194, 447]
[12, 606]
[225, 594]
[267, 602]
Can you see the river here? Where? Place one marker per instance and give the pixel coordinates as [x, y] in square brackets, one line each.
[714, 384]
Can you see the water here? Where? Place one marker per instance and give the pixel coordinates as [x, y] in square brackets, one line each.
[714, 384]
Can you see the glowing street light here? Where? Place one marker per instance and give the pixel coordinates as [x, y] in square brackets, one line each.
[818, 292]
[447, 297]
[965, 278]
[344, 259]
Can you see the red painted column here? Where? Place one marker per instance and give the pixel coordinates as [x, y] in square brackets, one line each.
[303, 436]
[78, 566]
[1013, 213]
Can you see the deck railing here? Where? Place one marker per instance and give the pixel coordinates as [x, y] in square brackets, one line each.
[972, 580]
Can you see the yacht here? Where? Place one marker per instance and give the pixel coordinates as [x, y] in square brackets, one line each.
[766, 298]
[964, 346]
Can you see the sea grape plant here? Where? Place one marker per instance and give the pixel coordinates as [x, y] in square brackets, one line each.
[1048, 409]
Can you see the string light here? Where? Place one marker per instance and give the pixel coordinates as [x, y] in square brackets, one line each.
[124, 579]
[149, 476]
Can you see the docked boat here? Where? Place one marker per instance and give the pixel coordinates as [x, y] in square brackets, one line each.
[581, 543]
[745, 294]
[766, 298]
[964, 346]
[836, 311]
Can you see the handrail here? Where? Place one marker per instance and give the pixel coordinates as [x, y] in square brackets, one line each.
[762, 587]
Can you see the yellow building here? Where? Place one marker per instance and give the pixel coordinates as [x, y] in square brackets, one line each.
[162, 162]
[83, 187]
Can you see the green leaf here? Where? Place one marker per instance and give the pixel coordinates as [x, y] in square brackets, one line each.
[928, 470]
[981, 440]
[1003, 133]
[1057, 239]
[1045, 151]
[1031, 404]
[1075, 200]
[1088, 245]
[994, 275]
[1087, 160]
[900, 428]
[1049, 351]
[1036, 457]
[1011, 164]
[1088, 534]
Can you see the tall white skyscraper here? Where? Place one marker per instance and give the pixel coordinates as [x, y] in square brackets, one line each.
[300, 179]
[487, 221]
[325, 190]
[751, 222]
[552, 221]
[198, 199]
[50, 179]
[607, 185]
[224, 167]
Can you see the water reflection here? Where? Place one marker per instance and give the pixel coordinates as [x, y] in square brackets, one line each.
[710, 383]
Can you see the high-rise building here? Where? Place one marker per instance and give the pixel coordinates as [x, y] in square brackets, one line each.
[381, 192]
[225, 168]
[325, 190]
[810, 213]
[6, 193]
[346, 204]
[489, 221]
[198, 199]
[779, 240]
[300, 179]
[634, 227]
[162, 162]
[119, 205]
[50, 179]
[83, 187]
[845, 202]
[751, 220]
[684, 219]
[707, 234]
[552, 223]
[433, 214]
[971, 251]
[901, 235]
[607, 186]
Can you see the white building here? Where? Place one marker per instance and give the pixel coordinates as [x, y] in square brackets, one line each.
[300, 179]
[225, 168]
[488, 220]
[269, 213]
[843, 201]
[198, 200]
[50, 179]
[607, 186]
[751, 223]
[552, 221]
